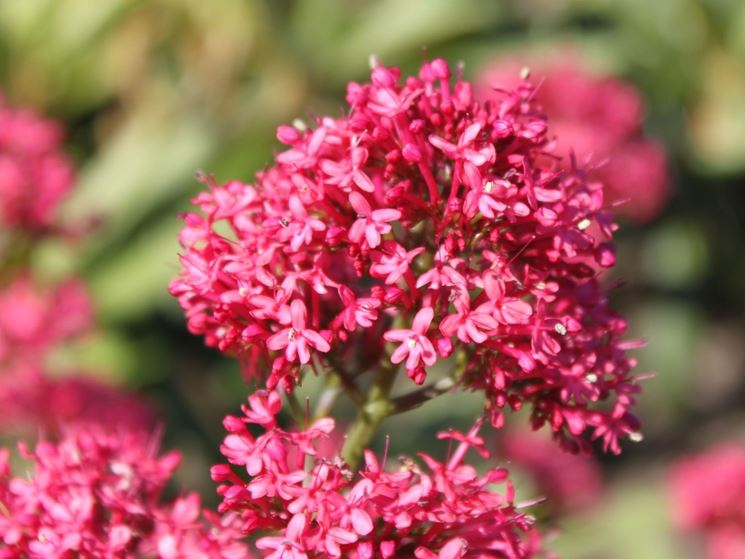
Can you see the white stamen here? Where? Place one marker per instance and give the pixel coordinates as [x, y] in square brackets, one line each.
[636, 437]
[584, 224]
[299, 124]
[560, 329]
[591, 377]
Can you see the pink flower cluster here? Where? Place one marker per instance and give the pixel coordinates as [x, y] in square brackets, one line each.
[570, 483]
[430, 220]
[33, 319]
[98, 494]
[708, 499]
[34, 402]
[599, 120]
[311, 508]
[34, 174]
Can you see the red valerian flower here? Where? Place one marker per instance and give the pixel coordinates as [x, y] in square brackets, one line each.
[97, 493]
[708, 498]
[296, 338]
[34, 174]
[422, 203]
[599, 120]
[415, 345]
[304, 506]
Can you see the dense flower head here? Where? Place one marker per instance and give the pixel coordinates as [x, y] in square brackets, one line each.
[304, 506]
[97, 494]
[599, 120]
[708, 498]
[34, 173]
[34, 318]
[570, 482]
[431, 221]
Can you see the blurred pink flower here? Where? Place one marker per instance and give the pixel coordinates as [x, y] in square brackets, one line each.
[34, 173]
[33, 402]
[570, 482]
[599, 119]
[34, 318]
[708, 498]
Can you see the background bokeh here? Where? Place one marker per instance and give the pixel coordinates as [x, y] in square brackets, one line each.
[151, 92]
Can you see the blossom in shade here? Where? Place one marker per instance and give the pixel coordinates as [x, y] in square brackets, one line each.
[34, 173]
[301, 505]
[423, 202]
[570, 482]
[708, 499]
[599, 120]
[98, 493]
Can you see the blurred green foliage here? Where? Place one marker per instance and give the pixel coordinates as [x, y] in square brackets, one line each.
[152, 91]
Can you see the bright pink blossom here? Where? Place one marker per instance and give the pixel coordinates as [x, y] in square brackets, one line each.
[422, 202]
[297, 337]
[415, 345]
[302, 506]
[569, 482]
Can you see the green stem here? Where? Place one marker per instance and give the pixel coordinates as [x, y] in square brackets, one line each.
[376, 408]
[328, 396]
[296, 409]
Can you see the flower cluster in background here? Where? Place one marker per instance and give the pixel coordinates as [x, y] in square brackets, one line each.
[38, 316]
[34, 173]
[707, 493]
[570, 483]
[597, 120]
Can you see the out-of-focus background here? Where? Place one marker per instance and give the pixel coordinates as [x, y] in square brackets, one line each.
[151, 92]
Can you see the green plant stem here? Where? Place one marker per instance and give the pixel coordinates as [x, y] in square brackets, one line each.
[328, 396]
[296, 409]
[376, 408]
